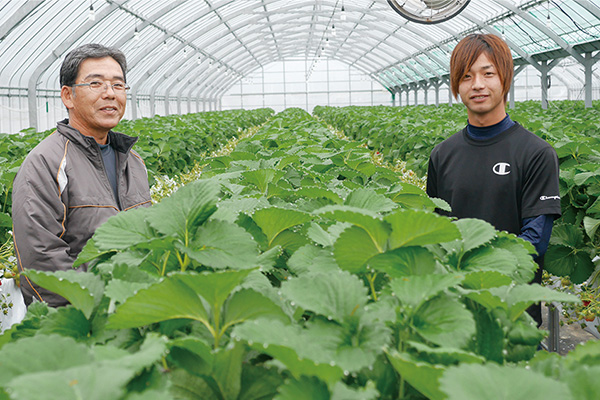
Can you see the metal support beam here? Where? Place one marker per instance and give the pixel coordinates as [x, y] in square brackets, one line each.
[588, 63]
[545, 80]
[512, 86]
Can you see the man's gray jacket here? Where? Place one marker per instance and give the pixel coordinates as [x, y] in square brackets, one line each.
[61, 194]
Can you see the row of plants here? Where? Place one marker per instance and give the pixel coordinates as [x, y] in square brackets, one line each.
[410, 133]
[169, 145]
[293, 268]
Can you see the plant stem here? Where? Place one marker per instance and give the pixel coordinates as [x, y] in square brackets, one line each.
[164, 266]
[371, 279]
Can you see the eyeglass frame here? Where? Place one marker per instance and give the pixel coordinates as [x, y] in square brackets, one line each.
[105, 86]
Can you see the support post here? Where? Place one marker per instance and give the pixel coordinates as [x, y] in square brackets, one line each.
[544, 84]
[588, 64]
[554, 328]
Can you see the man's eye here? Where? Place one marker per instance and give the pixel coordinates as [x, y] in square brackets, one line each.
[96, 84]
[118, 86]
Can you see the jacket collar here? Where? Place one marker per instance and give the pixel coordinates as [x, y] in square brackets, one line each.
[119, 141]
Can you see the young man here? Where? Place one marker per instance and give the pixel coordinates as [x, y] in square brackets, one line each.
[79, 176]
[494, 169]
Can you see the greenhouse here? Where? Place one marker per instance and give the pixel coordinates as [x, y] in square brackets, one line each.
[326, 199]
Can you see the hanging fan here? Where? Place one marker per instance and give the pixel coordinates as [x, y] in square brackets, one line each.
[428, 11]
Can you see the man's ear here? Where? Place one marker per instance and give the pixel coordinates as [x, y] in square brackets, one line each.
[67, 95]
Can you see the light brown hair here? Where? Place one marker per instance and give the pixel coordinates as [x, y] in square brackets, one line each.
[468, 50]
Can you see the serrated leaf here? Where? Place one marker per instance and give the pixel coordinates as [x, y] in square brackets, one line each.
[317, 192]
[248, 304]
[505, 382]
[485, 280]
[119, 290]
[412, 291]
[474, 232]
[583, 382]
[221, 244]
[124, 230]
[404, 261]
[368, 199]
[83, 290]
[567, 235]
[312, 259]
[291, 346]
[520, 297]
[305, 388]
[422, 376]
[39, 354]
[334, 295]
[566, 261]
[214, 287]
[375, 229]
[290, 241]
[169, 299]
[343, 392]
[490, 259]
[419, 228]
[591, 225]
[262, 177]
[444, 321]
[90, 252]
[446, 355]
[274, 220]
[185, 210]
[354, 248]
[66, 321]
[259, 382]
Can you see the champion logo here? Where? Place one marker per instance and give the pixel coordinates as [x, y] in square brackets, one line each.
[501, 168]
[549, 198]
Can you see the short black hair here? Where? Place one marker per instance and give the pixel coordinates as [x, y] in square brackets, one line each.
[70, 66]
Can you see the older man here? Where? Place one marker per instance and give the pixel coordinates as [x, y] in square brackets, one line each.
[80, 175]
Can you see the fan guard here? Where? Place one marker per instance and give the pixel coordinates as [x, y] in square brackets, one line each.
[428, 11]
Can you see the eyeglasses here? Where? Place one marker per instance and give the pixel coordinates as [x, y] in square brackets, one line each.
[100, 87]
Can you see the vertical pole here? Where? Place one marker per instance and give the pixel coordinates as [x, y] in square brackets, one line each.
[554, 327]
[426, 93]
[437, 94]
[589, 62]
[416, 94]
[449, 94]
[393, 98]
[544, 82]
[408, 95]
[399, 98]
[512, 93]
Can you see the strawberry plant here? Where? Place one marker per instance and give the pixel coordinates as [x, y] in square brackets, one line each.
[293, 267]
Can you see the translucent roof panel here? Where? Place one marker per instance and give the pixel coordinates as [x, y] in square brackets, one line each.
[170, 45]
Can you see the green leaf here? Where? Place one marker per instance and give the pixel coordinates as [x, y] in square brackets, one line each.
[591, 225]
[518, 298]
[412, 291]
[124, 230]
[306, 388]
[445, 355]
[567, 235]
[444, 321]
[221, 244]
[66, 321]
[185, 210]
[189, 387]
[90, 252]
[583, 382]
[192, 354]
[302, 354]
[419, 228]
[119, 290]
[289, 241]
[311, 258]
[368, 199]
[273, 221]
[490, 335]
[422, 376]
[490, 259]
[505, 383]
[474, 232]
[227, 371]
[343, 392]
[259, 382]
[39, 354]
[566, 261]
[404, 261]
[376, 230]
[485, 280]
[171, 298]
[354, 248]
[214, 287]
[333, 295]
[262, 177]
[317, 192]
[83, 290]
[248, 304]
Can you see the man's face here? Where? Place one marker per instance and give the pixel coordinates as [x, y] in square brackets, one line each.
[481, 93]
[91, 112]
